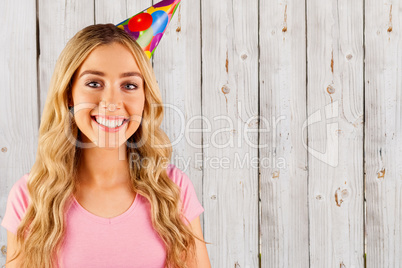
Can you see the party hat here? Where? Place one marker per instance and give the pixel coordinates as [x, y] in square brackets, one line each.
[148, 26]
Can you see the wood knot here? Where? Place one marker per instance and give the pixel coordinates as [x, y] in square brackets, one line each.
[4, 250]
[344, 193]
[340, 196]
[225, 89]
[275, 175]
[330, 89]
[381, 173]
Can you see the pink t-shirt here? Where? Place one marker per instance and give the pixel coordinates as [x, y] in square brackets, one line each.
[127, 240]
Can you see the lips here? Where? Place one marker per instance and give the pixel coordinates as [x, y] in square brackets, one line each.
[110, 123]
[110, 117]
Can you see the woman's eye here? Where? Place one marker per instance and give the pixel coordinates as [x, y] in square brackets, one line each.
[97, 85]
[93, 84]
[130, 86]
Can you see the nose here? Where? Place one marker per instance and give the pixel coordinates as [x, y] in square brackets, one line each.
[110, 106]
[111, 100]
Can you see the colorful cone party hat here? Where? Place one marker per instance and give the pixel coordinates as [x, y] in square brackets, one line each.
[148, 26]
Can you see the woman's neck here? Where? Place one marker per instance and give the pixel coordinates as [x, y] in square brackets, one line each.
[103, 168]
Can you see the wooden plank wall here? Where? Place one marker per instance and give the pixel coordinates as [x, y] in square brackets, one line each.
[335, 90]
[318, 186]
[284, 183]
[229, 99]
[19, 107]
[383, 139]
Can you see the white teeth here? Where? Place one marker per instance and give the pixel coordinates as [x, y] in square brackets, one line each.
[109, 123]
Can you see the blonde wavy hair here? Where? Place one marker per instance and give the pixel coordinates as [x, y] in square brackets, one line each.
[52, 179]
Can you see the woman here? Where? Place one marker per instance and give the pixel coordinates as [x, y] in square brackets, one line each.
[101, 192]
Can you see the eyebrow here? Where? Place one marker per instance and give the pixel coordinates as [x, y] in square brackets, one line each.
[103, 74]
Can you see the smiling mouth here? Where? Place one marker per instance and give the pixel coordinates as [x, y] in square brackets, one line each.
[114, 123]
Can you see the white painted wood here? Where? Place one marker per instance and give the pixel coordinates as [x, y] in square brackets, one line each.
[284, 210]
[117, 11]
[229, 100]
[18, 98]
[335, 159]
[177, 66]
[207, 65]
[58, 22]
[383, 140]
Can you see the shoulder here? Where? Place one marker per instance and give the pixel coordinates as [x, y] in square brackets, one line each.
[177, 175]
[191, 206]
[17, 204]
[19, 191]
[182, 180]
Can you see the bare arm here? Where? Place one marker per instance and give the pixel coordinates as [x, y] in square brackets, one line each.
[11, 249]
[201, 249]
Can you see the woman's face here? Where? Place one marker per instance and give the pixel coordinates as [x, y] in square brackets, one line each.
[108, 96]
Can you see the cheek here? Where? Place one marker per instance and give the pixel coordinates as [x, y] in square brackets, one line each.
[84, 97]
[82, 112]
[82, 119]
[136, 106]
[135, 110]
